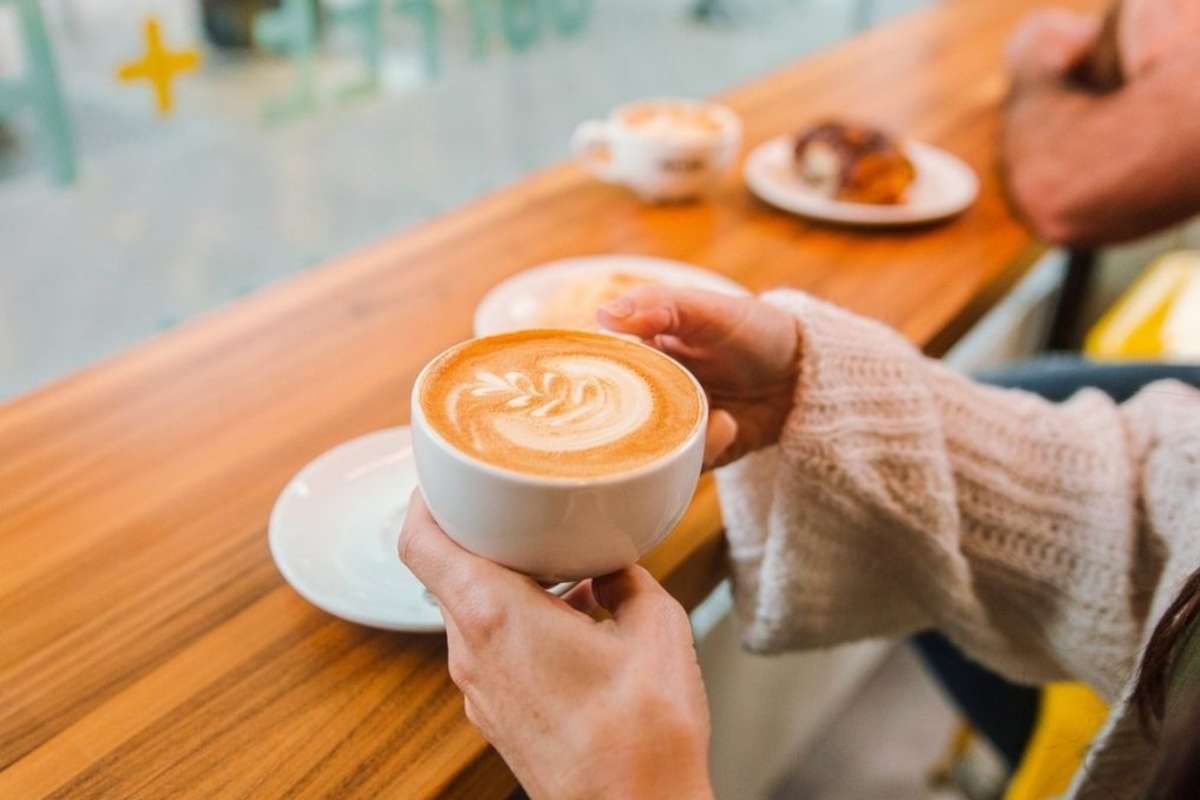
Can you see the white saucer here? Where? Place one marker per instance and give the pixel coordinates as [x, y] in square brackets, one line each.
[944, 186]
[334, 529]
[517, 302]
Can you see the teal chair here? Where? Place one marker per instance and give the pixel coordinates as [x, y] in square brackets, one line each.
[293, 29]
[39, 89]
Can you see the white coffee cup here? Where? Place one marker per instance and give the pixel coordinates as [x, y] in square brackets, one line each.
[554, 528]
[660, 161]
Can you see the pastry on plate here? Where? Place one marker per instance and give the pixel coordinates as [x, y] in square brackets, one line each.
[574, 304]
[853, 163]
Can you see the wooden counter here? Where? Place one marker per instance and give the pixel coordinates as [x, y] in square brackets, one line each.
[149, 648]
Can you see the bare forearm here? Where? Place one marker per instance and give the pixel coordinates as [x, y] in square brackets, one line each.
[1092, 169]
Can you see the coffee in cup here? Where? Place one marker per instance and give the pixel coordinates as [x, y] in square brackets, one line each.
[562, 454]
[562, 405]
[672, 120]
[664, 149]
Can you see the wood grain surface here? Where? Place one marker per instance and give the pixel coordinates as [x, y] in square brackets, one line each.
[149, 648]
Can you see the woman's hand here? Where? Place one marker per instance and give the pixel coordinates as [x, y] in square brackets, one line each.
[743, 351]
[578, 708]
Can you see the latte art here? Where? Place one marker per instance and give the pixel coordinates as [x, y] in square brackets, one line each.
[573, 404]
[579, 403]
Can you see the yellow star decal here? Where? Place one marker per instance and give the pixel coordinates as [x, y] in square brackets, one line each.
[159, 66]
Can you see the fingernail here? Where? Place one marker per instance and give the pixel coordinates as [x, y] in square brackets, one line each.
[621, 307]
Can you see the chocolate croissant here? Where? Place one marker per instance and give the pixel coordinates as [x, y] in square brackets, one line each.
[855, 163]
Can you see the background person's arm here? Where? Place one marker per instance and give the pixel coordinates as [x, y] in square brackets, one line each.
[1088, 169]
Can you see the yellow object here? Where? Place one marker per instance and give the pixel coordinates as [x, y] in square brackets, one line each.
[1140, 325]
[941, 775]
[1069, 719]
[159, 66]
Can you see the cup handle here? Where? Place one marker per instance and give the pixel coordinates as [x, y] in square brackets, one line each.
[590, 144]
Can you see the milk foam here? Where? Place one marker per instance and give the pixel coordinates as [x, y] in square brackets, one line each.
[672, 121]
[568, 403]
[560, 403]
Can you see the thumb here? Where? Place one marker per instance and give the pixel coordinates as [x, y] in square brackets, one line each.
[694, 316]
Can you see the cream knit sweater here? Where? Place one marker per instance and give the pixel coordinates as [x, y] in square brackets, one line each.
[1045, 540]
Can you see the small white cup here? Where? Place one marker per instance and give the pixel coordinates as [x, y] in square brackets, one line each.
[659, 165]
[555, 529]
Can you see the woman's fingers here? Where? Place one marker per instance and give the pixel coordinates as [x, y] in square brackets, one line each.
[738, 343]
[459, 579]
[439, 563]
[756, 426]
[580, 597]
[638, 603]
[720, 436]
[676, 347]
[695, 316]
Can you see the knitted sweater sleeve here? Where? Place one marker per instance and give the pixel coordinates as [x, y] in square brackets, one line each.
[903, 496]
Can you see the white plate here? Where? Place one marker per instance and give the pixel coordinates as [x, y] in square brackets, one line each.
[334, 529]
[944, 186]
[517, 302]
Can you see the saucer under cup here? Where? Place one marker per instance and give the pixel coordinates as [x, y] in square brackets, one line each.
[334, 529]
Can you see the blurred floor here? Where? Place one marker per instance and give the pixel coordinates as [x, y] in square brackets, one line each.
[883, 745]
